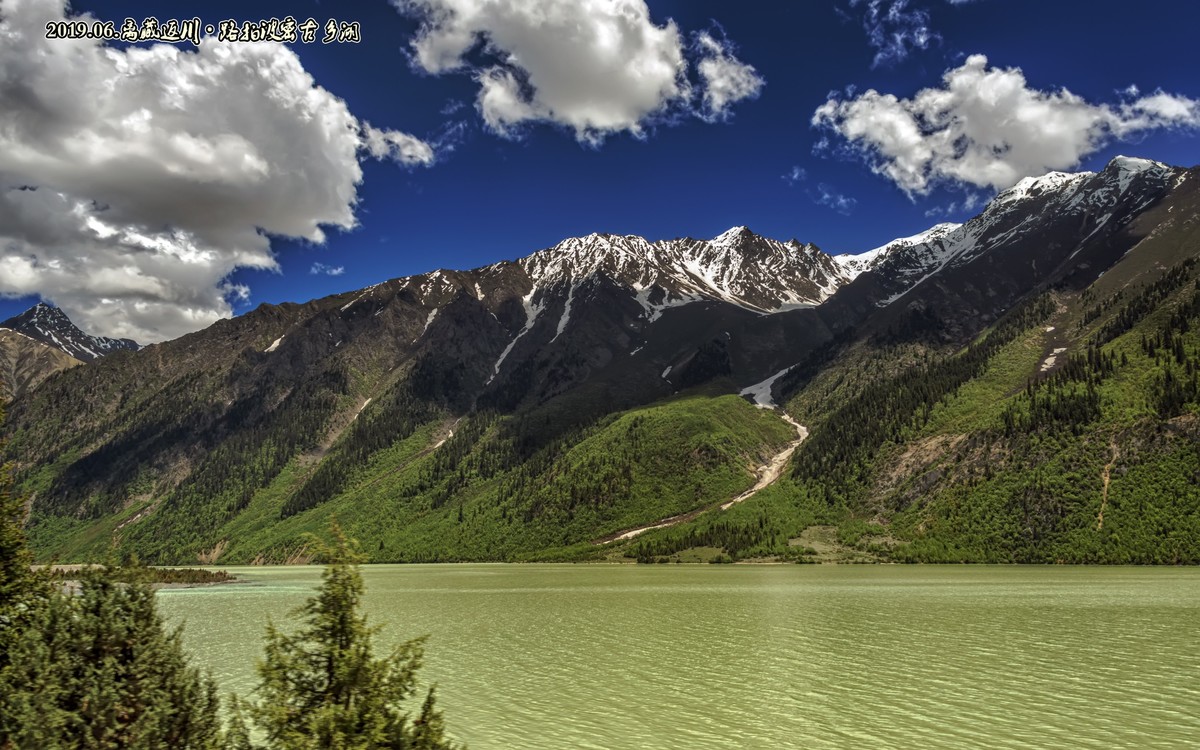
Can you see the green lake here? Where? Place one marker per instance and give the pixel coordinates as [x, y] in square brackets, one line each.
[554, 657]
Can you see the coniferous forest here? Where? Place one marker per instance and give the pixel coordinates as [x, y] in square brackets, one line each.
[1094, 458]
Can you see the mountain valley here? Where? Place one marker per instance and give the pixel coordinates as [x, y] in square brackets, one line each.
[1018, 388]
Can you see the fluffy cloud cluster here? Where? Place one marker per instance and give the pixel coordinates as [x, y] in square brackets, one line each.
[399, 147]
[134, 181]
[726, 79]
[598, 67]
[985, 127]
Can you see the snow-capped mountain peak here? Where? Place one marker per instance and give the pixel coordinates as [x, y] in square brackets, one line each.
[1098, 201]
[51, 326]
[1124, 169]
[552, 295]
[1032, 187]
[1128, 168]
[737, 266]
[732, 236]
[855, 265]
[1136, 164]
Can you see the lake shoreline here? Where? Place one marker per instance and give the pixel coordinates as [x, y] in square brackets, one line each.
[61, 572]
[686, 564]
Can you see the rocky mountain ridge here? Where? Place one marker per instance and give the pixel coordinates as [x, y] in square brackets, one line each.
[52, 327]
[26, 362]
[43, 341]
[474, 384]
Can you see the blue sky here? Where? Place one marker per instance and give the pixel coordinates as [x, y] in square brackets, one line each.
[481, 183]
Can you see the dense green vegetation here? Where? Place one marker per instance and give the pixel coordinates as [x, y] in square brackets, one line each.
[514, 487]
[759, 528]
[916, 453]
[322, 687]
[92, 669]
[92, 666]
[832, 474]
[97, 669]
[839, 455]
[1047, 414]
[140, 574]
[981, 456]
[399, 415]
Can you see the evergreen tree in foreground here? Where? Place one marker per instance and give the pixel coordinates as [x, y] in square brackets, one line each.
[17, 581]
[323, 689]
[95, 669]
[98, 670]
[91, 669]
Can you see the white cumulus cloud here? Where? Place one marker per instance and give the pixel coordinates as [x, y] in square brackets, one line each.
[134, 181]
[727, 80]
[985, 127]
[397, 146]
[597, 67]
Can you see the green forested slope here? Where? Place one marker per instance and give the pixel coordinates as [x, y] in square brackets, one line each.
[495, 490]
[1069, 432]
[1024, 391]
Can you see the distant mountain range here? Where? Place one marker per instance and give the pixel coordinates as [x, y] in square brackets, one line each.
[52, 327]
[534, 408]
[41, 341]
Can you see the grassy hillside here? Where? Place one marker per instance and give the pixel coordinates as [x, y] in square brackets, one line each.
[494, 490]
[1068, 432]
[1035, 399]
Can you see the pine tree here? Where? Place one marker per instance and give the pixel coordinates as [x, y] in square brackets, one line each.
[323, 688]
[93, 669]
[97, 669]
[23, 598]
[16, 579]
[20, 587]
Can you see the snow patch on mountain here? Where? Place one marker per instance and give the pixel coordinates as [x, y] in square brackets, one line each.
[654, 311]
[566, 314]
[428, 322]
[760, 393]
[855, 265]
[532, 311]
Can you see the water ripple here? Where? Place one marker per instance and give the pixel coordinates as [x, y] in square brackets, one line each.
[681, 657]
